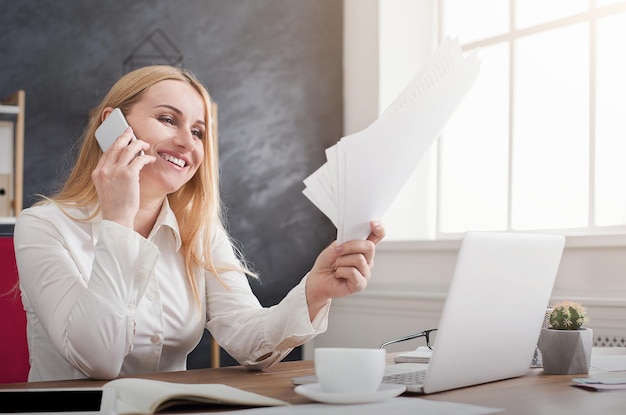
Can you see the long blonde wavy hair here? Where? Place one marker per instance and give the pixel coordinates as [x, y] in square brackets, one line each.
[196, 204]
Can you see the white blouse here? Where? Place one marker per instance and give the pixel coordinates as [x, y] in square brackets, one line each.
[102, 301]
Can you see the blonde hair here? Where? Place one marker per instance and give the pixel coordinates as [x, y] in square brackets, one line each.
[196, 204]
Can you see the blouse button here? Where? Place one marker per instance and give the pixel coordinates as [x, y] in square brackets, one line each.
[155, 338]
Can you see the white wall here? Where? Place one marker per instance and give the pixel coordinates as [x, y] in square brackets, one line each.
[360, 62]
[411, 279]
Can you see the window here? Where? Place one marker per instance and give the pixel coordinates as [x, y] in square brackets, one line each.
[540, 141]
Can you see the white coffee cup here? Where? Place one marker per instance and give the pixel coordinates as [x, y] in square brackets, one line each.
[349, 370]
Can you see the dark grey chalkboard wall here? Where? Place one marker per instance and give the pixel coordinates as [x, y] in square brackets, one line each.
[273, 66]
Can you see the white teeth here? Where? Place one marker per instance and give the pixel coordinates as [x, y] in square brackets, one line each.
[172, 159]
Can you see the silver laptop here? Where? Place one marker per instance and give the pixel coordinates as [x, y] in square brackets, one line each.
[493, 313]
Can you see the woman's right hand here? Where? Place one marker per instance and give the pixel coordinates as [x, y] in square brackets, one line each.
[341, 270]
[116, 178]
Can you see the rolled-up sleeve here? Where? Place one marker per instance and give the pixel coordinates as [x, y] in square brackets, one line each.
[256, 336]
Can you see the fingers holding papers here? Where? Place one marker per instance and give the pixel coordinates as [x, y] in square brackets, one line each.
[341, 270]
[378, 232]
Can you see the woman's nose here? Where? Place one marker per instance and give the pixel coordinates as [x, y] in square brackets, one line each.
[184, 139]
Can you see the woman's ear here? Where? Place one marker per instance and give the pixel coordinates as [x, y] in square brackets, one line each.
[105, 113]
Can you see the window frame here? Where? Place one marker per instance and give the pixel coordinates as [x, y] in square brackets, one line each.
[590, 16]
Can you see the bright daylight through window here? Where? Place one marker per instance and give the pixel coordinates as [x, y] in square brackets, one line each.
[540, 141]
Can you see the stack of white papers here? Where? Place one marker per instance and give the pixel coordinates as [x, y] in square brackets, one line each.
[365, 171]
[420, 355]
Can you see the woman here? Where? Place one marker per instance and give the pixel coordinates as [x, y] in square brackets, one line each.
[121, 271]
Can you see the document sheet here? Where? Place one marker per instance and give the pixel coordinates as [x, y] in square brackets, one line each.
[365, 171]
[394, 406]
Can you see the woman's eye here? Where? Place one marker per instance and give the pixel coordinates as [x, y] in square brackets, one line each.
[168, 120]
[198, 133]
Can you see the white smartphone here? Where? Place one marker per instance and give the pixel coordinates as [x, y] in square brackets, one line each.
[52, 401]
[112, 127]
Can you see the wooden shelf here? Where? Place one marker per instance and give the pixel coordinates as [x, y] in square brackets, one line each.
[15, 105]
[9, 109]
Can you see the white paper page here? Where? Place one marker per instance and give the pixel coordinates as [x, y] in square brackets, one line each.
[319, 190]
[610, 363]
[395, 406]
[325, 208]
[366, 170]
[321, 186]
[333, 169]
[344, 188]
[446, 57]
[380, 160]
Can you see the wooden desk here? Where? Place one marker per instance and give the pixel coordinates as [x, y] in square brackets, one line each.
[534, 394]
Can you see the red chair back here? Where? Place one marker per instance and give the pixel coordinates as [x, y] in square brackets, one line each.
[14, 364]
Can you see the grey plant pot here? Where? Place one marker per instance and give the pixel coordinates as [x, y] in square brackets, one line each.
[566, 352]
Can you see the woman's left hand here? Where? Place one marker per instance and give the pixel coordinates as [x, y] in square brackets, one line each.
[341, 270]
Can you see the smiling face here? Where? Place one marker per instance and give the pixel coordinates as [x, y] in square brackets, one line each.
[170, 116]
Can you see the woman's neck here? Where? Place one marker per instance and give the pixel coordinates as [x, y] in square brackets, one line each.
[146, 216]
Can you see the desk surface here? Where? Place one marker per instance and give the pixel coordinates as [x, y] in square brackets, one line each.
[534, 394]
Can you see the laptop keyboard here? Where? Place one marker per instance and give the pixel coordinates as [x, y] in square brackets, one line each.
[409, 378]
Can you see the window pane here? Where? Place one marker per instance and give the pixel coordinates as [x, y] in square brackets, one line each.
[468, 21]
[533, 12]
[550, 130]
[610, 163]
[473, 171]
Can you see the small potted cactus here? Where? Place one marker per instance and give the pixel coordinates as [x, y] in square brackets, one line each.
[565, 344]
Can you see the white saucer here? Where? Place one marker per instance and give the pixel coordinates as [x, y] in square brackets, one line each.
[314, 391]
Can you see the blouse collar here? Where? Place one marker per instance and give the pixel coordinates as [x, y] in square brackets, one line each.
[166, 218]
